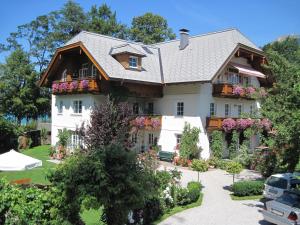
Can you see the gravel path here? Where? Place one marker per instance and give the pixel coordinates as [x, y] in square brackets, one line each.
[217, 207]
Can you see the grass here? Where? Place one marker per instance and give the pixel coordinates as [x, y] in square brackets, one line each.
[178, 209]
[252, 197]
[37, 175]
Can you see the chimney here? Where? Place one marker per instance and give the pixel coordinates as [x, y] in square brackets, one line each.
[184, 38]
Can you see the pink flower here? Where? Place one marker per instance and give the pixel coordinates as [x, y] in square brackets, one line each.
[55, 87]
[243, 124]
[63, 86]
[140, 122]
[74, 85]
[84, 84]
[265, 124]
[155, 123]
[228, 124]
[250, 90]
[238, 90]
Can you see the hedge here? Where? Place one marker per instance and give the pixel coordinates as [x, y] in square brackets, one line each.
[247, 188]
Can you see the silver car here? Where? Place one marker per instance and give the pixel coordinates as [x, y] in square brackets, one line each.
[284, 210]
[276, 184]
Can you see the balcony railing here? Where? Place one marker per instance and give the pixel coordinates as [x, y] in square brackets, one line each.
[233, 91]
[75, 86]
[214, 123]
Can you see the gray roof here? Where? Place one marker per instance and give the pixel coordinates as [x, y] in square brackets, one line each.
[125, 48]
[199, 61]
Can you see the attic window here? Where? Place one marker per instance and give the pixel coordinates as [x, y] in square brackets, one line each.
[133, 62]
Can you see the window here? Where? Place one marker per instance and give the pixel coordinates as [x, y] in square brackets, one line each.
[251, 109]
[77, 107]
[247, 81]
[178, 139]
[75, 141]
[83, 72]
[180, 108]
[150, 108]
[135, 108]
[94, 71]
[150, 139]
[212, 109]
[239, 110]
[60, 107]
[133, 62]
[64, 75]
[227, 110]
[134, 138]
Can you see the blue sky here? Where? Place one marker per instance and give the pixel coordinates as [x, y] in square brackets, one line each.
[262, 21]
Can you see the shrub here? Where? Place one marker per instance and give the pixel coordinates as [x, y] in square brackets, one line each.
[189, 142]
[217, 144]
[63, 137]
[234, 168]
[199, 165]
[222, 164]
[183, 197]
[248, 188]
[164, 178]
[243, 156]
[213, 162]
[194, 189]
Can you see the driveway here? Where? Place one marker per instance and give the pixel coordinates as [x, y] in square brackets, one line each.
[217, 207]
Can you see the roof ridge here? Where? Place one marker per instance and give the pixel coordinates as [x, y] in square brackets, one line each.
[114, 38]
[199, 35]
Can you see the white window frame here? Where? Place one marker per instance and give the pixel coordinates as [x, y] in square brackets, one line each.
[134, 138]
[180, 108]
[84, 71]
[94, 71]
[64, 75]
[178, 138]
[239, 109]
[75, 140]
[150, 138]
[212, 109]
[227, 110]
[77, 110]
[130, 63]
[60, 107]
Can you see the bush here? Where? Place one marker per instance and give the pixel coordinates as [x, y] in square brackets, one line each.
[217, 144]
[222, 164]
[163, 178]
[213, 162]
[248, 188]
[183, 197]
[194, 189]
[234, 168]
[199, 165]
[189, 142]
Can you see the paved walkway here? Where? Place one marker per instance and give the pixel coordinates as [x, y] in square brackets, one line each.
[217, 207]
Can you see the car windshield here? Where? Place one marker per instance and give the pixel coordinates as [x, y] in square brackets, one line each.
[290, 199]
[277, 182]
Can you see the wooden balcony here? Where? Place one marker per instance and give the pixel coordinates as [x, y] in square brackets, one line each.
[226, 91]
[214, 123]
[89, 85]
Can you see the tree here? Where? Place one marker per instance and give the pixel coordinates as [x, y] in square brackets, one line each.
[282, 106]
[234, 145]
[20, 95]
[150, 29]
[217, 144]
[109, 123]
[189, 142]
[103, 21]
[199, 165]
[234, 168]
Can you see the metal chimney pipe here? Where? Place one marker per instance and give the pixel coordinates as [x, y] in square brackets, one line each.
[184, 38]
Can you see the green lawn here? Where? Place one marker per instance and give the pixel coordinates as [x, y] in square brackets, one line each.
[37, 175]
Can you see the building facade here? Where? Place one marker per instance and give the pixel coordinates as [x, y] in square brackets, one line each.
[195, 80]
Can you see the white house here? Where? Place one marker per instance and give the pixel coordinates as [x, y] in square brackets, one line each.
[186, 80]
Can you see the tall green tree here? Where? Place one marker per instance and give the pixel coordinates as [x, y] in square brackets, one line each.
[20, 95]
[103, 20]
[150, 28]
[282, 106]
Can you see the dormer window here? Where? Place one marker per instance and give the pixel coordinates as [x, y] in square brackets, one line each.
[133, 62]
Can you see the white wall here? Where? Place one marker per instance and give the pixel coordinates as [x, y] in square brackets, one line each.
[68, 119]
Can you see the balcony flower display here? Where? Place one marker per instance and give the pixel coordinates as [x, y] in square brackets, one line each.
[63, 86]
[228, 124]
[73, 85]
[84, 84]
[155, 123]
[243, 124]
[238, 90]
[55, 87]
[139, 122]
[265, 124]
[250, 91]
